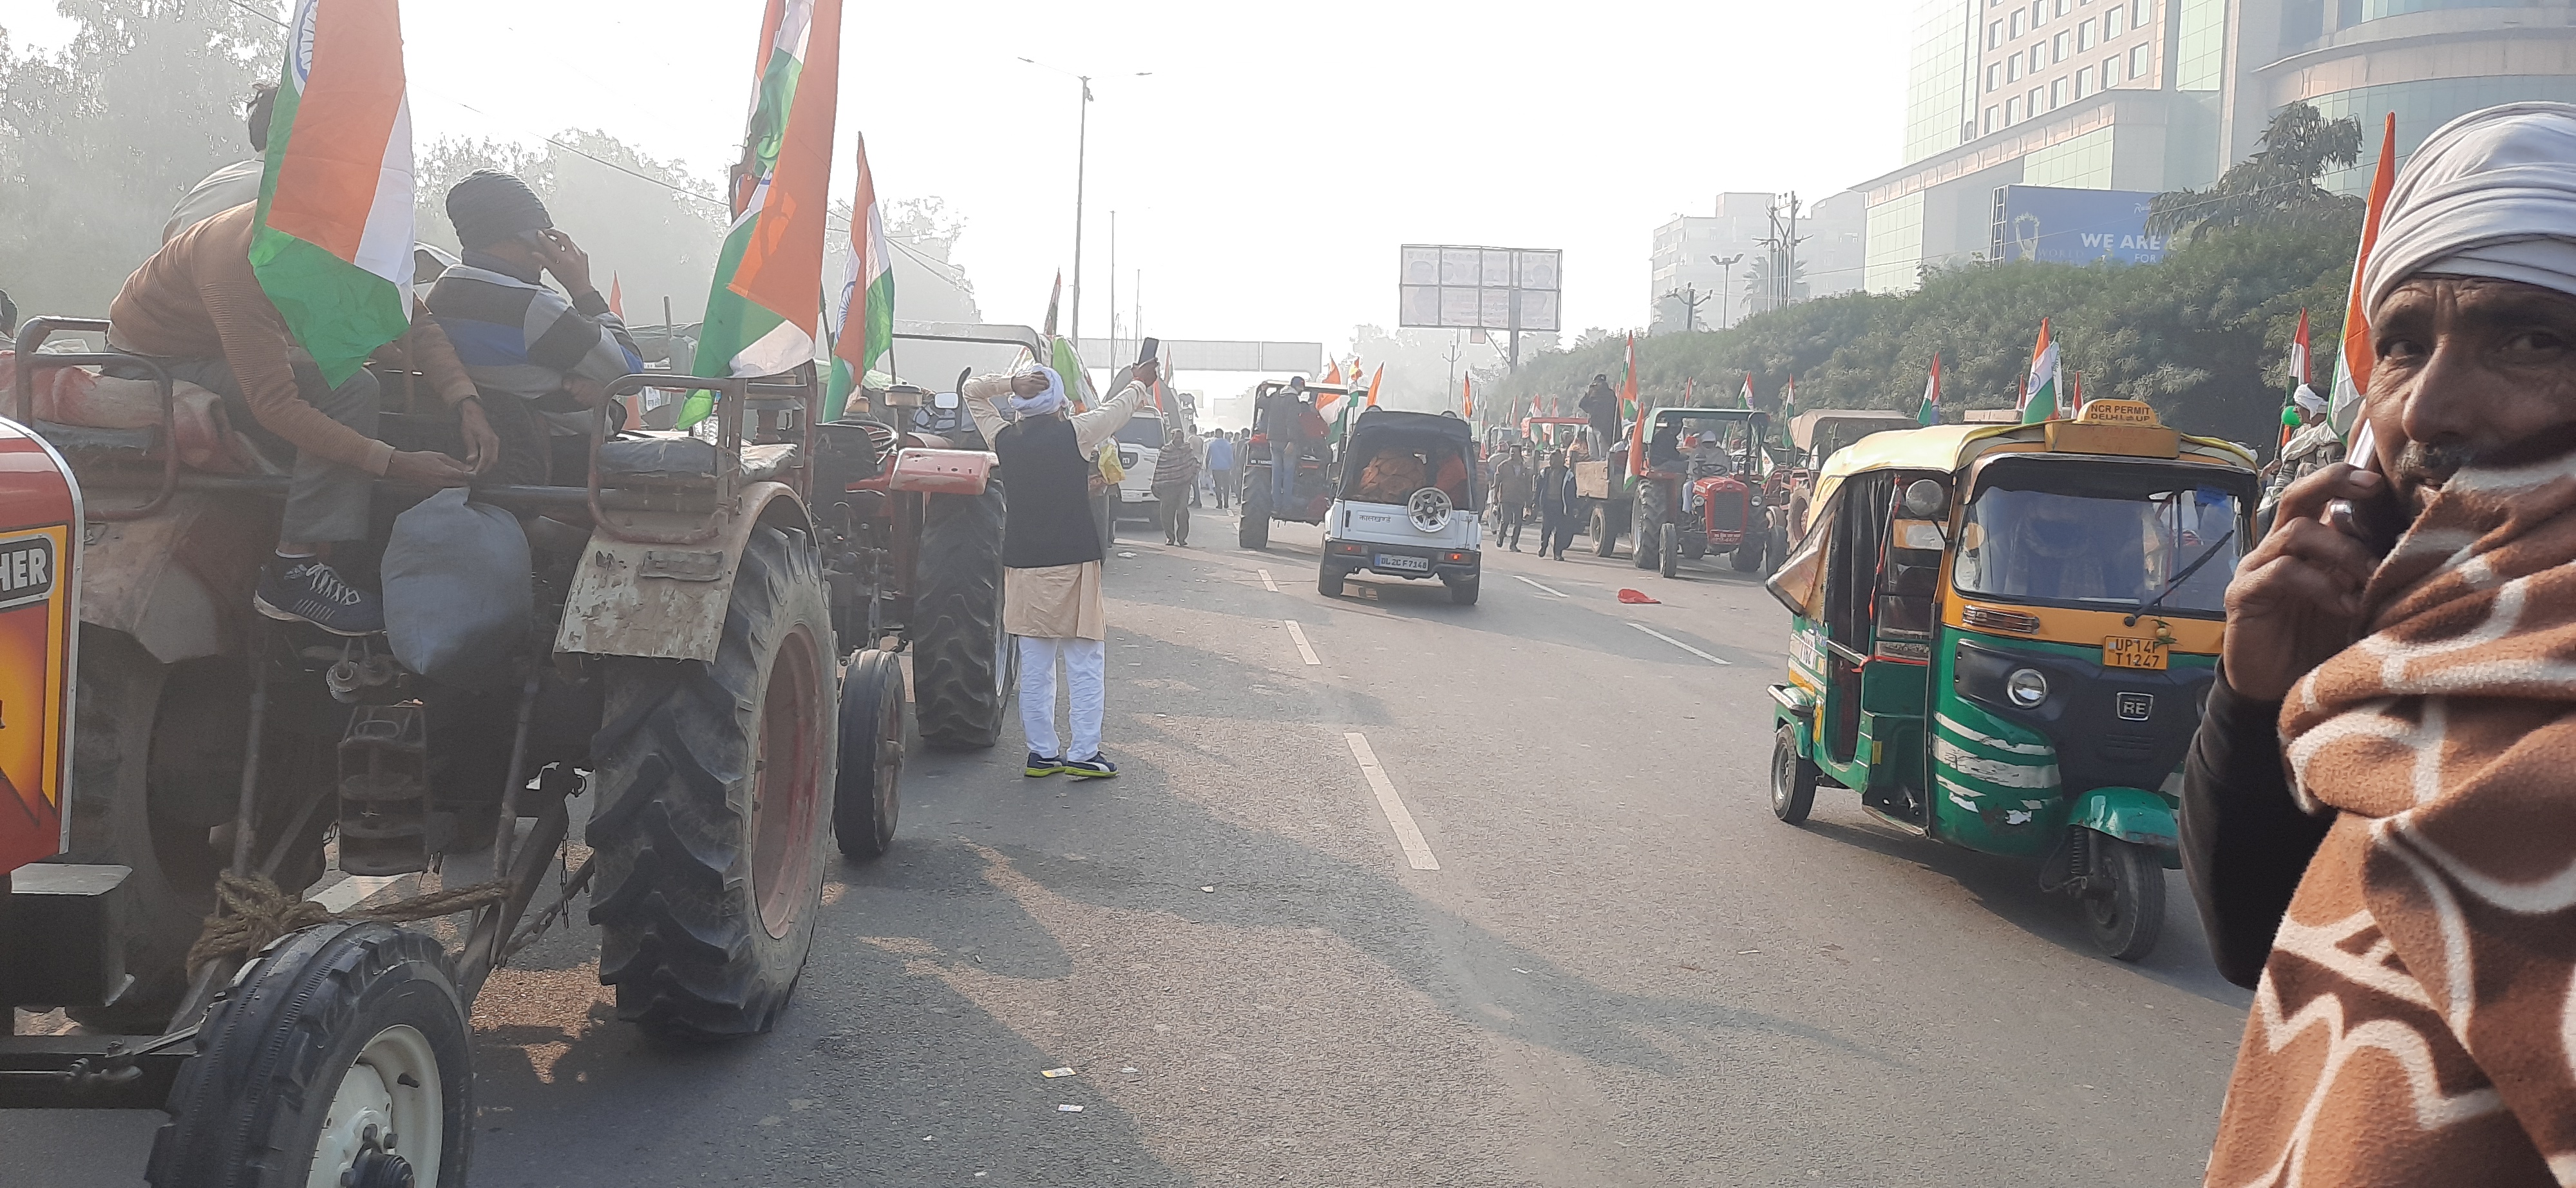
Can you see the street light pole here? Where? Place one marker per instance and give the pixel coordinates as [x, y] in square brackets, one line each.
[1081, 163]
[1725, 308]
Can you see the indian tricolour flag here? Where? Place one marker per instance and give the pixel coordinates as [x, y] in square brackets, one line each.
[2039, 393]
[2353, 378]
[1928, 413]
[333, 248]
[867, 296]
[766, 305]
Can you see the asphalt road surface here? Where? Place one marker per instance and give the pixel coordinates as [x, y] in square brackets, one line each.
[1387, 892]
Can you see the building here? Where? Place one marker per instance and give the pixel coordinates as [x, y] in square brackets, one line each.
[2427, 60]
[2158, 95]
[1686, 251]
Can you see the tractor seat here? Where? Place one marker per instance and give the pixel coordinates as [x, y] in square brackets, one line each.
[679, 460]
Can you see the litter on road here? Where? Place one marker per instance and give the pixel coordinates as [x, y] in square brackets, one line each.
[1068, 1109]
[1638, 598]
[1057, 1072]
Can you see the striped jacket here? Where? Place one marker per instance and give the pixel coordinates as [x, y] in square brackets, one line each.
[523, 338]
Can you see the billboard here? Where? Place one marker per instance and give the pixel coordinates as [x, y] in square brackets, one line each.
[1456, 287]
[2069, 226]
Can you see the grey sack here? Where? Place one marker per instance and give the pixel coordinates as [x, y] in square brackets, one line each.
[457, 600]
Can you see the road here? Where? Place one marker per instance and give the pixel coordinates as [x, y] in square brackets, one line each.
[1600, 962]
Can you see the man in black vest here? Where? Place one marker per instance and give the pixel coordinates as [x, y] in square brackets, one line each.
[1051, 552]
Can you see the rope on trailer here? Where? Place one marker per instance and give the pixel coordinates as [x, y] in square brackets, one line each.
[251, 913]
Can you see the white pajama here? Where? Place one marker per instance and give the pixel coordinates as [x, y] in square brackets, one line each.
[1085, 664]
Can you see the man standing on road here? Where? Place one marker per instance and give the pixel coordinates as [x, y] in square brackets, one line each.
[1176, 482]
[1557, 504]
[2377, 821]
[1220, 466]
[1051, 552]
[1512, 487]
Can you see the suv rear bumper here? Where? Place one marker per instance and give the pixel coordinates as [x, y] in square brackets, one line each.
[1355, 556]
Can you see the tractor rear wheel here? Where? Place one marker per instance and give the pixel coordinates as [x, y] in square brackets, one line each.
[1252, 529]
[1648, 521]
[341, 1056]
[867, 790]
[711, 824]
[1669, 552]
[961, 657]
[156, 764]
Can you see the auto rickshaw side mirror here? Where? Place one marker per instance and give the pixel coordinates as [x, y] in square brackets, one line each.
[1927, 500]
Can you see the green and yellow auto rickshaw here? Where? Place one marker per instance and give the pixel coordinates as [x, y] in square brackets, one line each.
[2002, 637]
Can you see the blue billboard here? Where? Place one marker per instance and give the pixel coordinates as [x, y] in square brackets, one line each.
[2069, 226]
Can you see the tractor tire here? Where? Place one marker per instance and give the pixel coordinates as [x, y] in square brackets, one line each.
[867, 790]
[710, 828]
[1648, 522]
[156, 764]
[341, 1036]
[1669, 550]
[1252, 529]
[1605, 532]
[1747, 557]
[961, 658]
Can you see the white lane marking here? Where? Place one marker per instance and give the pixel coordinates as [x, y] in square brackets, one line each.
[1305, 651]
[1266, 583]
[1550, 589]
[1677, 643]
[1417, 852]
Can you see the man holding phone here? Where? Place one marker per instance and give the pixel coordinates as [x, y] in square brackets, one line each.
[2378, 822]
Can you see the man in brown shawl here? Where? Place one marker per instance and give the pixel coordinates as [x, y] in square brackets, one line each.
[2380, 809]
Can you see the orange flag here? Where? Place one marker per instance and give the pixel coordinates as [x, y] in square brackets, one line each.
[2353, 378]
[782, 264]
[616, 297]
[1333, 372]
[1467, 396]
[1374, 381]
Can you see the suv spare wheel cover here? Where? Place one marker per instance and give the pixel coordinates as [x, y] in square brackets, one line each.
[1429, 508]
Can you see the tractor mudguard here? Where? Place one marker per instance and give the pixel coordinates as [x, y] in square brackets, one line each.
[663, 601]
[2131, 815]
[178, 581]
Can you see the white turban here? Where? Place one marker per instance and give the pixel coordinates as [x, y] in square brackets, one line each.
[1044, 402]
[2490, 194]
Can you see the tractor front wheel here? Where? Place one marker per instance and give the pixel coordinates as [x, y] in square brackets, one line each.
[866, 796]
[341, 1056]
[711, 824]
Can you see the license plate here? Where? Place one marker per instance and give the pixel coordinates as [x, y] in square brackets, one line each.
[1422, 565]
[2121, 651]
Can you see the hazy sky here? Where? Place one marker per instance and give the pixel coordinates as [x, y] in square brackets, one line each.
[1266, 171]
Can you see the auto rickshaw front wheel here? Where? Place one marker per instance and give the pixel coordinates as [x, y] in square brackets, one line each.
[1793, 777]
[2124, 900]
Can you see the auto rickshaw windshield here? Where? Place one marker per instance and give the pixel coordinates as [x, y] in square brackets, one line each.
[2107, 538]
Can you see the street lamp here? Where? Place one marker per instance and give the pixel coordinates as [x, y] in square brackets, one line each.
[1725, 310]
[1081, 157]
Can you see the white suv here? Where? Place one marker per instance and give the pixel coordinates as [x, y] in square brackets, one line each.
[1140, 446]
[1408, 504]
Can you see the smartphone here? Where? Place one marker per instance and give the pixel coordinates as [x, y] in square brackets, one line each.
[1153, 347]
[2375, 523]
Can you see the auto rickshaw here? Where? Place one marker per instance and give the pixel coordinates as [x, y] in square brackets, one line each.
[2002, 637]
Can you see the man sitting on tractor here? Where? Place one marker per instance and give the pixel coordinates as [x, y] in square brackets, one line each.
[542, 361]
[197, 308]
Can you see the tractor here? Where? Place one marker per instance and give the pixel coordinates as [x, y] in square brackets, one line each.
[711, 653]
[1702, 490]
[1317, 474]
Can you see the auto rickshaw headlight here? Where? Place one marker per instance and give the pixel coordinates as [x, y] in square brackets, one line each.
[2026, 687]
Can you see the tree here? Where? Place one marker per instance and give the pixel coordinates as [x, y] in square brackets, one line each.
[2276, 187]
[99, 140]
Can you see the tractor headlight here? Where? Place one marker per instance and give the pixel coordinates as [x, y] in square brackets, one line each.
[2026, 687]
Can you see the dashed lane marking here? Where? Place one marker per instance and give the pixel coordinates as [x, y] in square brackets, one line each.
[1677, 643]
[1417, 852]
[1543, 587]
[1306, 651]
[1266, 583]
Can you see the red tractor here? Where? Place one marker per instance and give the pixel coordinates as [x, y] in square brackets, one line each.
[1703, 489]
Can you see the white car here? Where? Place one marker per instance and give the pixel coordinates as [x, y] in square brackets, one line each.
[1430, 528]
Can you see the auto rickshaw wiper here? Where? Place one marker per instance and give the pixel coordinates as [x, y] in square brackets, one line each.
[2179, 579]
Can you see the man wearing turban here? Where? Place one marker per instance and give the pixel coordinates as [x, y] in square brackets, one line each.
[1051, 552]
[2378, 822]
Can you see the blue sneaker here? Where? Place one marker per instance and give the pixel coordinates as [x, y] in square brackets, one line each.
[308, 590]
[1040, 765]
[1094, 768]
